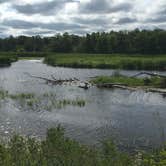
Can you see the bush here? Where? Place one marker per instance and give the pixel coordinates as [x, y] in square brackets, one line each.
[60, 151]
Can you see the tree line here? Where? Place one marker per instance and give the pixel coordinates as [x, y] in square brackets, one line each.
[130, 42]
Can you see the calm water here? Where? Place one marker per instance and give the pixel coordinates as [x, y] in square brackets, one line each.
[133, 119]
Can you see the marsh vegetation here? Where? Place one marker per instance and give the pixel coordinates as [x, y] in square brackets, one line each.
[59, 150]
[6, 60]
[154, 82]
[46, 101]
[104, 61]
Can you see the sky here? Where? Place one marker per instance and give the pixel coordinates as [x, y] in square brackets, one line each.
[49, 17]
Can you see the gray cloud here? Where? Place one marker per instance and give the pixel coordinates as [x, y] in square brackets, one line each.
[85, 17]
[91, 21]
[2, 28]
[44, 8]
[4, 1]
[104, 6]
[126, 20]
[60, 26]
[37, 32]
[159, 16]
[19, 24]
[159, 19]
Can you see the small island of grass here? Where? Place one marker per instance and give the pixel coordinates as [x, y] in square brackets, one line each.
[147, 82]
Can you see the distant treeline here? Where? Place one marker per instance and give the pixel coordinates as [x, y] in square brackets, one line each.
[130, 42]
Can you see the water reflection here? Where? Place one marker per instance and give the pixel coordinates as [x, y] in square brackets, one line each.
[133, 118]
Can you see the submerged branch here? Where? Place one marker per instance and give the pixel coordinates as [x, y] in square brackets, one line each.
[150, 74]
[54, 81]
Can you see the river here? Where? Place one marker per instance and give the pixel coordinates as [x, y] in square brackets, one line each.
[133, 119]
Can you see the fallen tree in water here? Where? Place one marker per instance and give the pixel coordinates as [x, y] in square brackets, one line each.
[71, 81]
[149, 74]
[157, 83]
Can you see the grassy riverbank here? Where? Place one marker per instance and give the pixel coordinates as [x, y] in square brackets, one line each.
[155, 82]
[6, 60]
[58, 150]
[112, 61]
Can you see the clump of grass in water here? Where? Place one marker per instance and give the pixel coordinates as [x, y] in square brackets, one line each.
[3, 94]
[49, 95]
[32, 102]
[23, 96]
[65, 102]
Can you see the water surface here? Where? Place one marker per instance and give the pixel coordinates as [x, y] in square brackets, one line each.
[133, 119]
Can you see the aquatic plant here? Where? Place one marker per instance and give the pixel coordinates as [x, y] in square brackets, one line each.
[47, 101]
[3, 94]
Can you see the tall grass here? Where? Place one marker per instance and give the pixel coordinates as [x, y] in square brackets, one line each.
[57, 150]
[128, 62]
[47, 101]
[130, 81]
[7, 60]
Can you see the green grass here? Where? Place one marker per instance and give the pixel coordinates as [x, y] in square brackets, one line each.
[47, 101]
[130, 81]
[29, 58]
[58, 150]
[7, 60]
[113, 61]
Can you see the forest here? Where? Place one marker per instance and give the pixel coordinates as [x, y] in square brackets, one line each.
[126, 42]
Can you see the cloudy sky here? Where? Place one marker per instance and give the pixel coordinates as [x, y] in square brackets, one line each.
[48, 17]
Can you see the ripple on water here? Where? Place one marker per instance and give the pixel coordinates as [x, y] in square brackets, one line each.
[121, 114]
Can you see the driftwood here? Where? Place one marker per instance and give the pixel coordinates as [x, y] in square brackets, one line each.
[54, 81]
[157, 90]
[87, 85]
[116, 85]
[150, 74]
[109, 85]
[125, 87]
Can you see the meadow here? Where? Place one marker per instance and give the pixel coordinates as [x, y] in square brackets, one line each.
[108, 61]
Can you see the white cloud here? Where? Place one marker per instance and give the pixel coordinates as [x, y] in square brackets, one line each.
[79, 16]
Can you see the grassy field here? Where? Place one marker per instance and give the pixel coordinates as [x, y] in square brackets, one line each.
[128, 62]
[130, 81]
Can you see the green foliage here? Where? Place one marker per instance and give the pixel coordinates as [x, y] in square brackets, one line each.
[6, 60]
[130, 81]
[58, 150]
[155, 158]
[112, 61]
[47, 101]
[129, 42]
